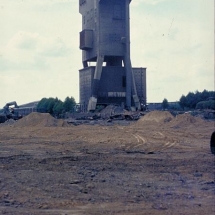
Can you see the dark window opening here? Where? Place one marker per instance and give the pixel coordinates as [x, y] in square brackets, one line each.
[123, 81]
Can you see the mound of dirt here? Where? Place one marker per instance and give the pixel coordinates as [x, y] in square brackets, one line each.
[156, 116]
[186, 119]
[40, 120]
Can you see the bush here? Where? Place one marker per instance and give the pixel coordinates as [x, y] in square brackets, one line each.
[210, 104]
[175, 107]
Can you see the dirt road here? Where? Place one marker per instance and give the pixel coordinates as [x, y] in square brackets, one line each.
[157, 165]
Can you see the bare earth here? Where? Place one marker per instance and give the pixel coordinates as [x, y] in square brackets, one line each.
[158, 165]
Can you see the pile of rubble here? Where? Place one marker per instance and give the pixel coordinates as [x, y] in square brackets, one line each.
[107, 116]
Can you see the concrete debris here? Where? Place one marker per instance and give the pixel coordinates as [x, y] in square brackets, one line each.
[110, 114]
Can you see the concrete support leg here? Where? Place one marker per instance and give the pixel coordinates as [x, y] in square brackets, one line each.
[98, 71]
[128, 83]
[131, 85]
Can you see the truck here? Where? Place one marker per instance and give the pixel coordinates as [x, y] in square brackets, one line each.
[8, 112]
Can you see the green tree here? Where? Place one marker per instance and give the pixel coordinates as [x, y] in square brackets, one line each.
[50, 104]
[192, 99]
[42, 105]
[69, 104]
[46, 105]
[165, 104]
[58, 108]
[183, 101]
[204, 95]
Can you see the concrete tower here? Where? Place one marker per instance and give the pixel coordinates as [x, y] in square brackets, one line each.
[105, 40]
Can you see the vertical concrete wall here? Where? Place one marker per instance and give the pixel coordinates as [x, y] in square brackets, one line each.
[107, 22]
[112, 27]
[112, 87]
[140, 79]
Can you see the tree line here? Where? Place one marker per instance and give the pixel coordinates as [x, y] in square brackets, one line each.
[197, 100]
[55, 106]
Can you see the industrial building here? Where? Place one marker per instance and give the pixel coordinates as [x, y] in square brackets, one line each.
[105, 40]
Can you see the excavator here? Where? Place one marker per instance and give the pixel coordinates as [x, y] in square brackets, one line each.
[8, 112]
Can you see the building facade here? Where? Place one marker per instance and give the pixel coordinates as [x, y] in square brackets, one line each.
[105, 40]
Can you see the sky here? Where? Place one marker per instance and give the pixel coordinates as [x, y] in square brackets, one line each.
[40, 55]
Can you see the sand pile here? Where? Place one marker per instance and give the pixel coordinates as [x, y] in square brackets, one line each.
[156, 117]
[166, 118]
[186, 119]
[40, 120]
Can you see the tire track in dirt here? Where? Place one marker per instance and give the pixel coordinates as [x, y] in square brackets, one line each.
[152, 144]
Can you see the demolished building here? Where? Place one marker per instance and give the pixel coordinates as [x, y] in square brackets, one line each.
[105, 41]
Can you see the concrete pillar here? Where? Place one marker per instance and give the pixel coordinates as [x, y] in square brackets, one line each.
[97, 76]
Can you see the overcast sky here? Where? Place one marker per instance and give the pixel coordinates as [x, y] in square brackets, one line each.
[40, 56]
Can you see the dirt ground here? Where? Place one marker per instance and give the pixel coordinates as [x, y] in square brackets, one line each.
[160, 165]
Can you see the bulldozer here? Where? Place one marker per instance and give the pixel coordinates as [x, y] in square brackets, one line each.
[8, 112]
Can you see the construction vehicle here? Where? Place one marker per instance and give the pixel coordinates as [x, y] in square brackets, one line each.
[212, 143]
[8, 112]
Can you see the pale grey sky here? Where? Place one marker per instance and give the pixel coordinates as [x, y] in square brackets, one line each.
[40, 56]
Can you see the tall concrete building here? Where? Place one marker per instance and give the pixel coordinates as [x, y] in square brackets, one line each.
[105, 40]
